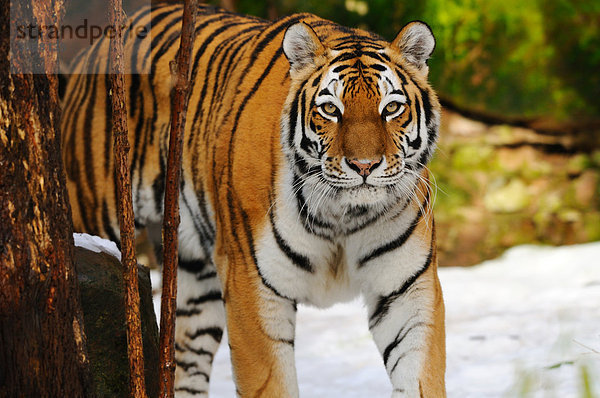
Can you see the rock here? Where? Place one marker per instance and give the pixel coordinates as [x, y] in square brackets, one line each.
[102, 298]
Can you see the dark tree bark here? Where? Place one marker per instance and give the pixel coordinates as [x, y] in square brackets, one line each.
[180, 74]
[135, 350]
[42, 342]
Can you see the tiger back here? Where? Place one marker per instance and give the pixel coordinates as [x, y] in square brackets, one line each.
[304, 180]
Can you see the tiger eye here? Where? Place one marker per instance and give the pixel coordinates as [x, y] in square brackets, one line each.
[392, 107]
[329, 108]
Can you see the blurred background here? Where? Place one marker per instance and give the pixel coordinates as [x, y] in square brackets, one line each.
[519, 156]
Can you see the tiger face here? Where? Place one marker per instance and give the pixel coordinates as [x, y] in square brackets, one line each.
[361, 120]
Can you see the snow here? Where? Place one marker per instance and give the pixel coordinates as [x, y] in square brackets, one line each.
[524, 325]
[97, 244]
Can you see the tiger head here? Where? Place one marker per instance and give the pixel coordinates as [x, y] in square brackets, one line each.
[360, 120]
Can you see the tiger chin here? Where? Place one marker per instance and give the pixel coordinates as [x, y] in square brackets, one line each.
[304, 181]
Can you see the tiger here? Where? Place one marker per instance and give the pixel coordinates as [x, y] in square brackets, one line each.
[304, 181]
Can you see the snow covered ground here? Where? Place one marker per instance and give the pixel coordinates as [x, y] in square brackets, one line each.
[524, 325]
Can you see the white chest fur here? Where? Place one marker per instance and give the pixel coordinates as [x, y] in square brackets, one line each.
[321, 270]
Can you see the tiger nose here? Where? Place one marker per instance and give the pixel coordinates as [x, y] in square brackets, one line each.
[363, 167]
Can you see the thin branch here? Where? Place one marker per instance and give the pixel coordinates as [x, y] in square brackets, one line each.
[124, 206]
[179, 101]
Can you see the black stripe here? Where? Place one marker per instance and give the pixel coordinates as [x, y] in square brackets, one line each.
[195, 266]
[384, 302]
[136, 103]
[176, 18]
[374, 55]
[135, 19]
[401, 76]
[396, 243]
[143, 129]
[417, 142]
[188, 365]
[345, 56]
[197, 351]
[201, 198]
[208, 297]
[317, 80]
[268, 37]
[418, 111]
[88, 157]
[298, 259]
[108, 136]
[85, 80]
[190, 390]
[284, 341]
[250, 94]
[302, 166]
[188, 312]
[431, 127]
[155, 83]
[158, 189]
[303, 210]
[83, 205]
[215, 332]
[227, 50]
[199, 225]
[106, 221]
[309, 146]
[426, 106]
[378, 67]
[407, 121]
[206, 72]
[226, 68]
[293, 117]
[206, 276]
[340, 68]
[137, 41]
[248, 232]
[325, 91]
[399, 338]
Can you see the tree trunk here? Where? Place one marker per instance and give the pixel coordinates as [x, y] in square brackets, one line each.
[42, 343]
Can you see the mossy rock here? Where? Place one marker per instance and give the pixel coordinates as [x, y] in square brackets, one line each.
[103, 302]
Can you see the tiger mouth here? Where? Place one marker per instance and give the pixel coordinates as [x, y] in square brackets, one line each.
[364, 181]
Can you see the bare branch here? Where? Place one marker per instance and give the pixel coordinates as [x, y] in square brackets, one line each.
[124, 205]
[179, 101]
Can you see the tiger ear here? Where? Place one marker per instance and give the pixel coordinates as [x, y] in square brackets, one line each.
[416, 43]
[301, 46]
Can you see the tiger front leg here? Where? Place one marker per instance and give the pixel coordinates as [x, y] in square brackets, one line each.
[261, 330]
[407, 324]
[199, 326]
